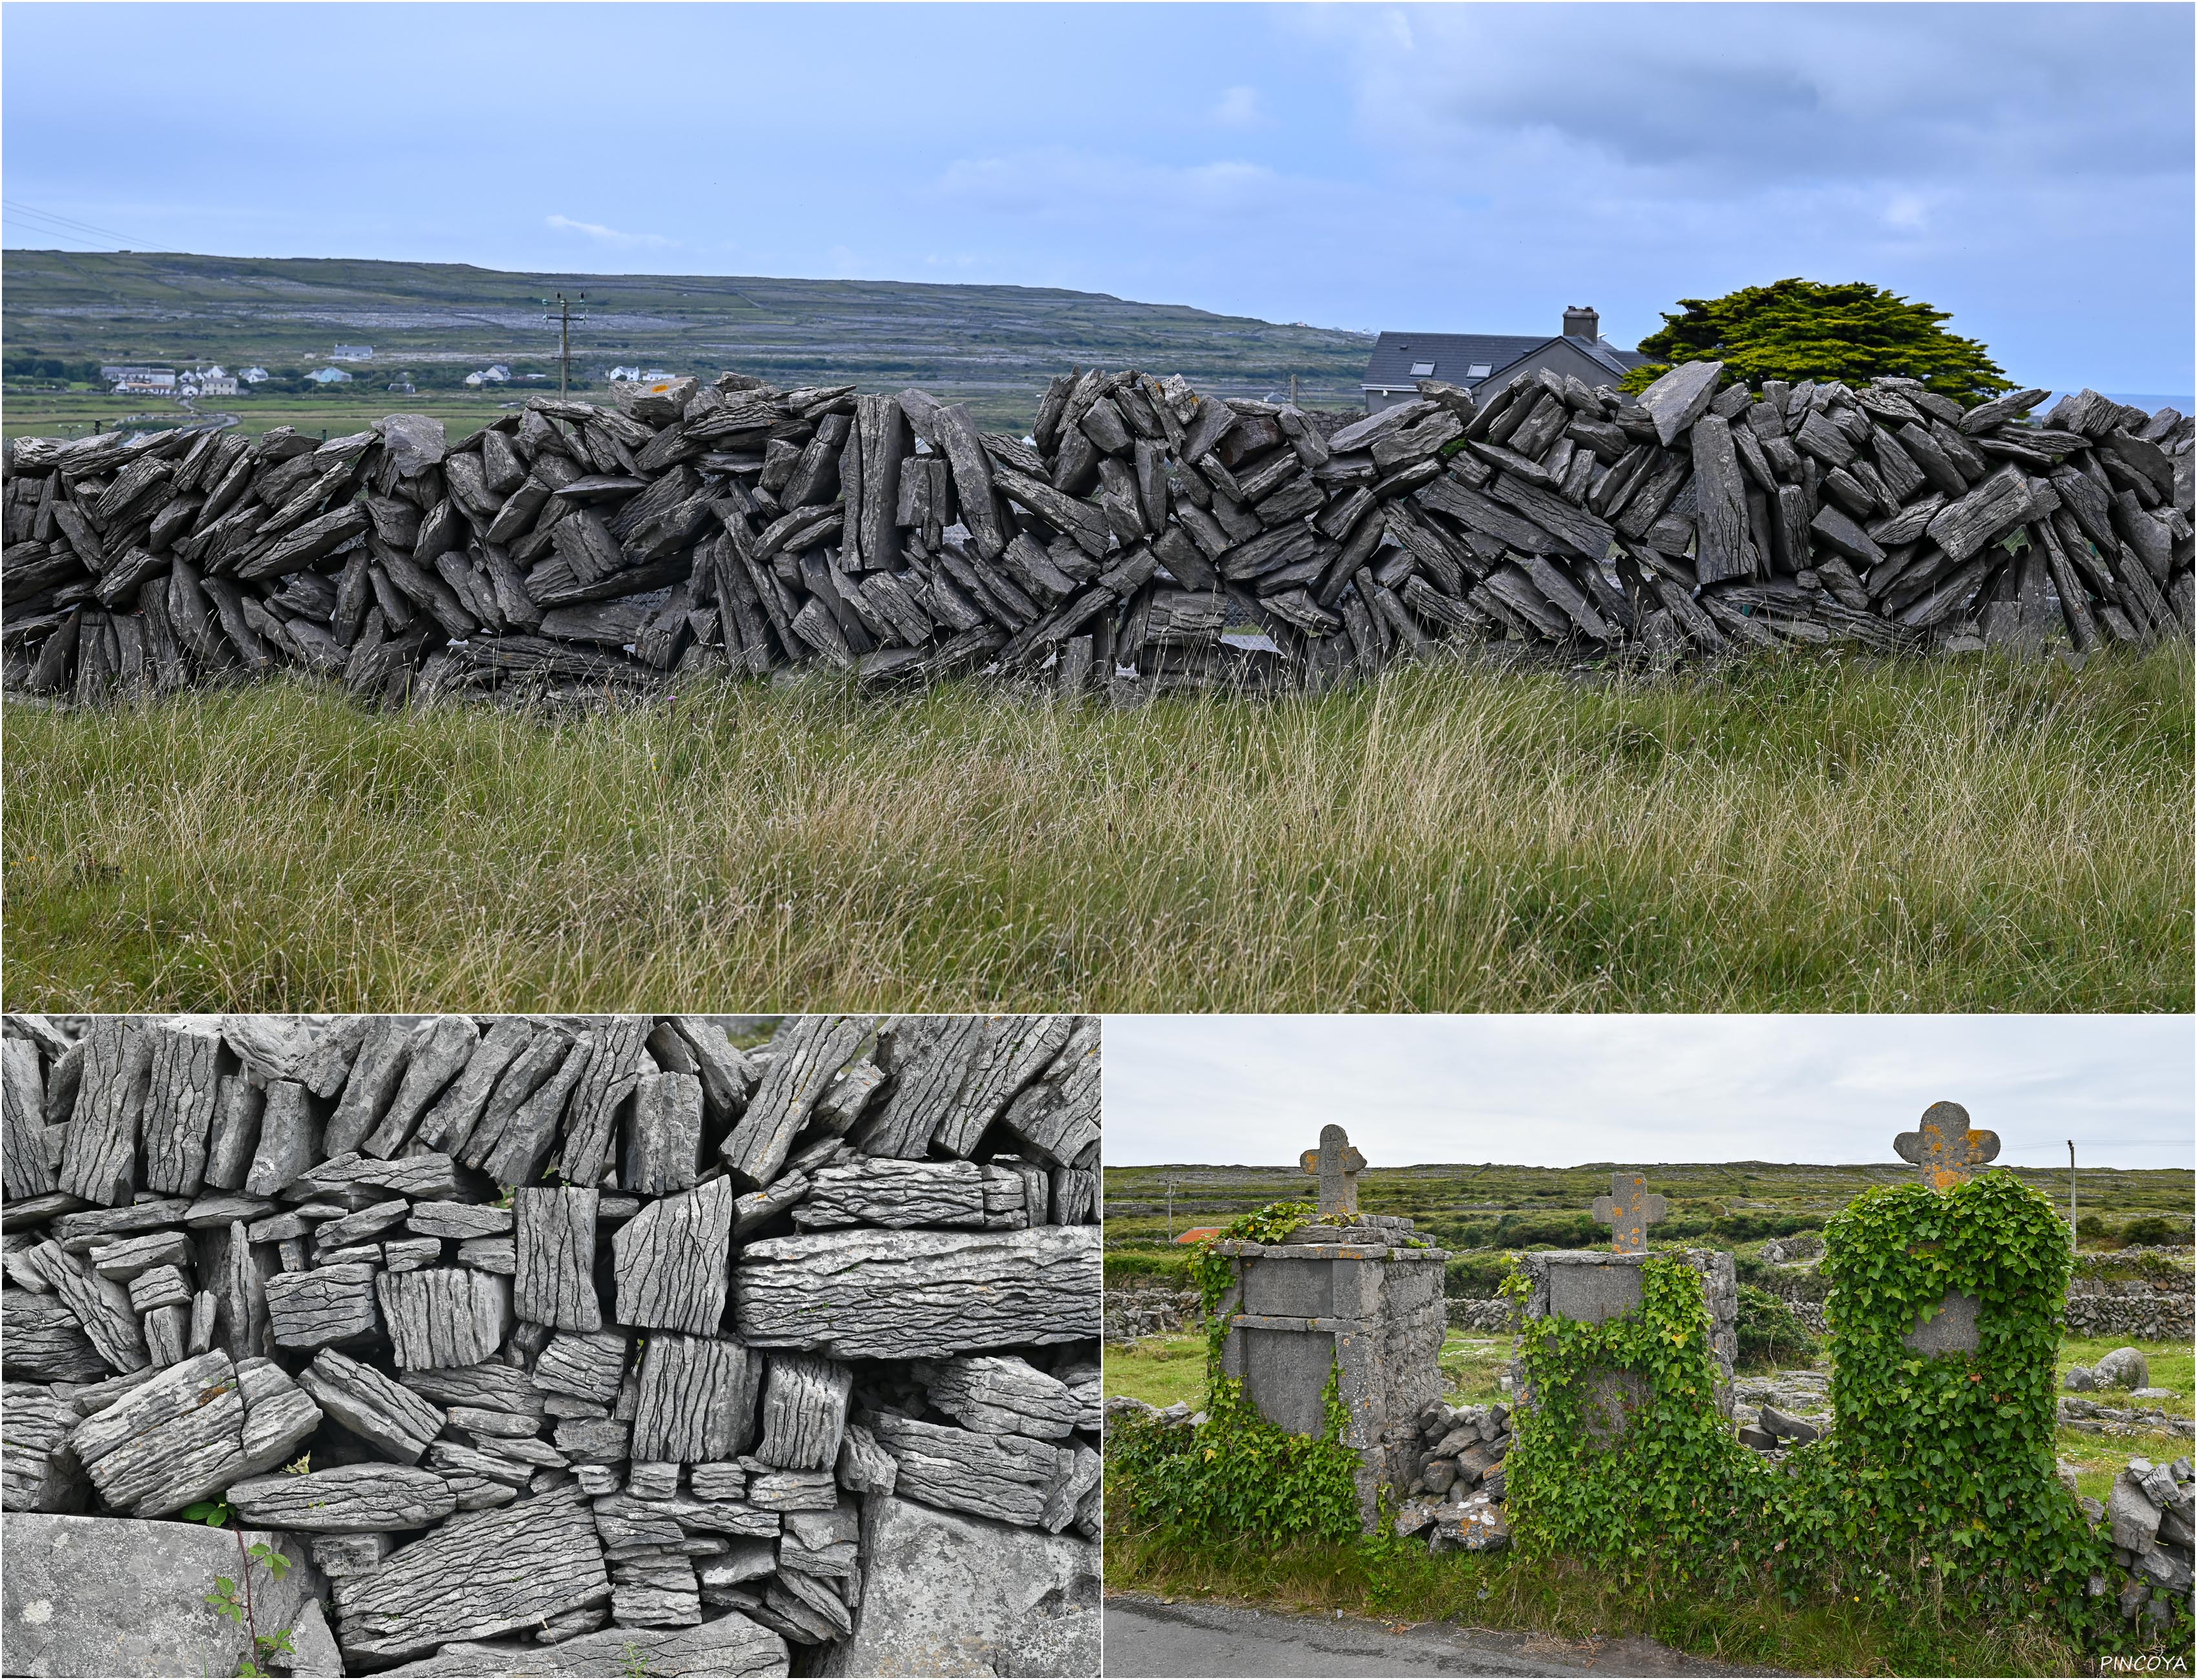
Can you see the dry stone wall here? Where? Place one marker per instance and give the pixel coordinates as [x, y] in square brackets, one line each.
[550, 1339]
[1143, 539]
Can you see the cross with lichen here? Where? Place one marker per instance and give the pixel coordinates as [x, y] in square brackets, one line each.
[1337, 1165]
[1947, 1149]
[1628, 1210]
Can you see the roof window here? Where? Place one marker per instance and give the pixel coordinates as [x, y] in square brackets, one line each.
[1479, 370]
[1421, 370]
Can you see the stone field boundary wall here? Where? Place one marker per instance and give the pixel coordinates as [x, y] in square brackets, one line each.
[1145, 540]
[539, 1341]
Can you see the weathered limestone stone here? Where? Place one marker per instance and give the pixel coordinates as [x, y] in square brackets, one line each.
[41, 1471]
[376, 1070]
[1013, 1051]
[927, 1056]
[695, 1398]
[439, 1048]
[918, 1294]
[1946, 1149]
[339, 1555]
[315, 1051]
[189, 1432]
[23, 1112]
[730, 1645]
[1003, 1477]
[897, 1194]
[1056, 1119]
[489, 1384]
[350, 1499]
[385, 1414]
[182, 1087]
[807, 1050]
[555, 1281]
[499, 1572]
[99, 1305]
[444, 1316]
[233, 1140]
[327, 1305]
[290, 1135]
[1628, 1210]
[1337, 1165]
[805, 1412]
[949, 1594]
[461, 1221]
[591, 1367]
[109, 1595]
[449, 1125]
[663, 1137]
[99, 1163]
[607, 1083]
[42, 1341]
[671, 1260]
[999, 1395]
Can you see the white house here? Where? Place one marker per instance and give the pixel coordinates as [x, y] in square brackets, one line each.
[496, 375]
[351, 353]
[212, 381]
[141, 381]
[254, 375]
[330, 376]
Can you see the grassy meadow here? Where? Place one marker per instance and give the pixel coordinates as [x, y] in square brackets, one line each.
[1801, 834]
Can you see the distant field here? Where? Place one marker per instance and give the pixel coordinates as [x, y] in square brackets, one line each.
[1464, 1206]
[1787, 834]
[992, 346]
[39, 414]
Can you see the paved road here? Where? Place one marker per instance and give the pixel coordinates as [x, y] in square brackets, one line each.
[1149, 1636]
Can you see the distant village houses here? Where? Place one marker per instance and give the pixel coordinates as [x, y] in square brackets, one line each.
[496, 375]
[329, 376]
[635, 374]
[212, 381]
[351, 353]
[254, 375]
[1491, 361]
[141, 381]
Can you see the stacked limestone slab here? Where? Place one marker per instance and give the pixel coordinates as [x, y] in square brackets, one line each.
[553, 1337]
[1141, 538]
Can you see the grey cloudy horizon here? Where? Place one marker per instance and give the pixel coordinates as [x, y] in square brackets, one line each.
[1569, 1090]
[1436, 169]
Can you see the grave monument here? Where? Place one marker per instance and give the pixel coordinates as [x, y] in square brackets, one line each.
[1349, 1294]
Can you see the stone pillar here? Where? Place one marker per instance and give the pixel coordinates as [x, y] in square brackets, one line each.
[1591, 1286]
[1351, 1297]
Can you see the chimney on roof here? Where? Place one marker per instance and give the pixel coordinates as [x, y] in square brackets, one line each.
[1582, 323]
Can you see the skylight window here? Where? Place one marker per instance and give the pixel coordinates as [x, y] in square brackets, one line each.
[1479, 370]
[1421, 370]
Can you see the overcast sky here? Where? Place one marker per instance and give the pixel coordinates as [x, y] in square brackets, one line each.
[1465, 168]
[1564, 1090]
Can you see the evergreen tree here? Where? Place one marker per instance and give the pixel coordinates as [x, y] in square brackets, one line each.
[1799, 329]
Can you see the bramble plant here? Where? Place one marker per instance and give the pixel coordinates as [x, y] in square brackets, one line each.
[233, 1598]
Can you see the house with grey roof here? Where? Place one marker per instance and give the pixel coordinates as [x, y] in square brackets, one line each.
[1492, 359]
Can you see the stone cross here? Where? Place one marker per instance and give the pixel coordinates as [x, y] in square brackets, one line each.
[1946, 1148]
[1337, 1165]
[1628, 1210]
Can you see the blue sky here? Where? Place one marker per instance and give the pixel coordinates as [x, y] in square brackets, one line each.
[1564, 1090]
[1468, 167]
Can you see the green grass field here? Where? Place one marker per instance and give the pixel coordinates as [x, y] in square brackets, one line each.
[36, 413]
[1794, 834]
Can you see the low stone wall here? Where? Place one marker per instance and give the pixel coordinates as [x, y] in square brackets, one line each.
[1133, 1313]
[2151, 1316]
[1144, 539]
[595, 1338]
[1480, 1318]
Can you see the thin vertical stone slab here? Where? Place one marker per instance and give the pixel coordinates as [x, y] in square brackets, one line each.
[41, 1473]
[672, 1259]
[1015, 1050]
[664, 1135]
[290, 1139]
[728, 1078]
[1720, 525]
[100, 1162]
[927, 1056]
[23, 1112]
[807, 1050]
[444, 1316]
[529, 1071]
[385, 1414]
[234, 1138]
[1056, 1121]
[555, 1282]
[182, 1082]
[449, 1125]
[805, 1411]
[591, 1117]
[375, 1073]
[524, 1143]
[315, 1051]
[695, 1399]
[439, 1048]
[239, 1282]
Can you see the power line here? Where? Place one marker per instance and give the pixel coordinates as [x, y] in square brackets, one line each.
[70, 226]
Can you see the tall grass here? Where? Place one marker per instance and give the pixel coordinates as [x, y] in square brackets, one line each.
[1797, 834]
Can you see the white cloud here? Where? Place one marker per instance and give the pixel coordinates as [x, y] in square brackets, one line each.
[596, 230]
[1566, 1089]
[1238, 107]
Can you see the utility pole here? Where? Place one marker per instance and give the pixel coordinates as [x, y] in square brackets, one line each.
[2074, 1239]
[1293, 390]
[1170, 1184]
[561, 311]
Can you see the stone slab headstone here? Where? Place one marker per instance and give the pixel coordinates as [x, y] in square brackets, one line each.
[1947, 1150]
[1285, 1374]
[1593, 1295]
[1950, 1329]
[1628, 1210]
[1337, 1165]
